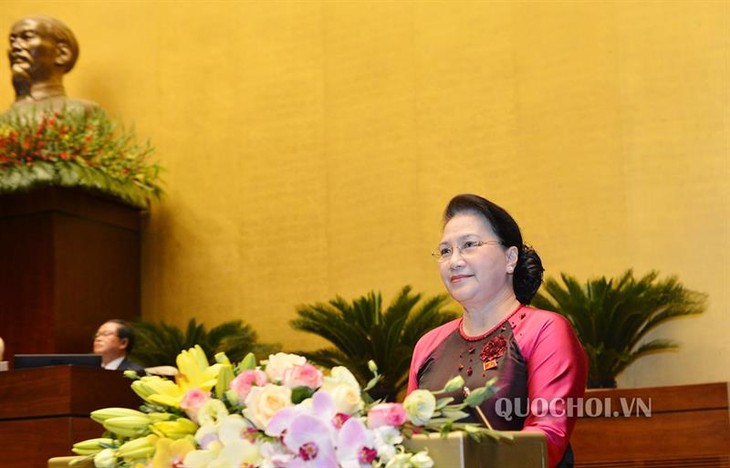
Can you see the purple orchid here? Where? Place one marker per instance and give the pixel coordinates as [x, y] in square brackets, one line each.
[355, 445]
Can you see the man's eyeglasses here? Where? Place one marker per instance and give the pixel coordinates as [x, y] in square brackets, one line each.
[465, 248]
[104, 334]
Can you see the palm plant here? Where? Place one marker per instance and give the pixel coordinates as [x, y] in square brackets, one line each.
[361, 331]
[612, 316]
[158, 344]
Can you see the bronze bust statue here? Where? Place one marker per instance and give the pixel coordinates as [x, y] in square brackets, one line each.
[42, 50]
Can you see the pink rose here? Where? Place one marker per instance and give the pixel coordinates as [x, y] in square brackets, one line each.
[303, 376]
[386, 414]
[192, 402]
[245, 380]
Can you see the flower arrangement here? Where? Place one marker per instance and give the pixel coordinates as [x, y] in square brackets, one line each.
[282, 412]
[76, 149]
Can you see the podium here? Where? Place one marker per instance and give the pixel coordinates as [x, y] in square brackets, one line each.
[527, 449]
[45, 410]
[69, 261]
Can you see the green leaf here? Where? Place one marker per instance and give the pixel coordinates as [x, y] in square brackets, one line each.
[477, 397]
[442, 402]
[454, 415]
[612, 316]
[158, 344]
[299, 394]
[248, 362]
[364, 329]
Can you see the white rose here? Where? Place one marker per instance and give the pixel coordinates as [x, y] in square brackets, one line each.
[262, 403]
[421, 460]
[420, 406]
[278, 364]
[340, 376]
[347, 399]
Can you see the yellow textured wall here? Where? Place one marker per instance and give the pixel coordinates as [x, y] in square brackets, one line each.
[311, 146]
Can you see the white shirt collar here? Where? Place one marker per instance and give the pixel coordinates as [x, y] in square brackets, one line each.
[114, 364]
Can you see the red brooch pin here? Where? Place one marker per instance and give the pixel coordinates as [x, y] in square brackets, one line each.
[493, 350]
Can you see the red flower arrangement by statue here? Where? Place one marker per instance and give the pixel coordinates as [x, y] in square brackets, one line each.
[76, 149]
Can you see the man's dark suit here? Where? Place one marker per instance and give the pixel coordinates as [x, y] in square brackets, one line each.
[126, 364]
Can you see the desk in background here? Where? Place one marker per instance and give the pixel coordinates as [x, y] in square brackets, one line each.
[44, 411]
[688, 427]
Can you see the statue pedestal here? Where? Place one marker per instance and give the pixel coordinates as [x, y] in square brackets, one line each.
[69, 260]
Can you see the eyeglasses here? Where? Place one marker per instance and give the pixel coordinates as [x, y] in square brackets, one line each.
[104, 334]
[466, 248]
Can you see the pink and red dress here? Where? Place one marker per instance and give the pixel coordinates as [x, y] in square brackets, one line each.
[539, 363]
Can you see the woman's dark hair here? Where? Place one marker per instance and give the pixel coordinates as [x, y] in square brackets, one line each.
[125, 331]
[528, 271]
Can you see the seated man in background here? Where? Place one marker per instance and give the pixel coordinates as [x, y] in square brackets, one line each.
[114, 340]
